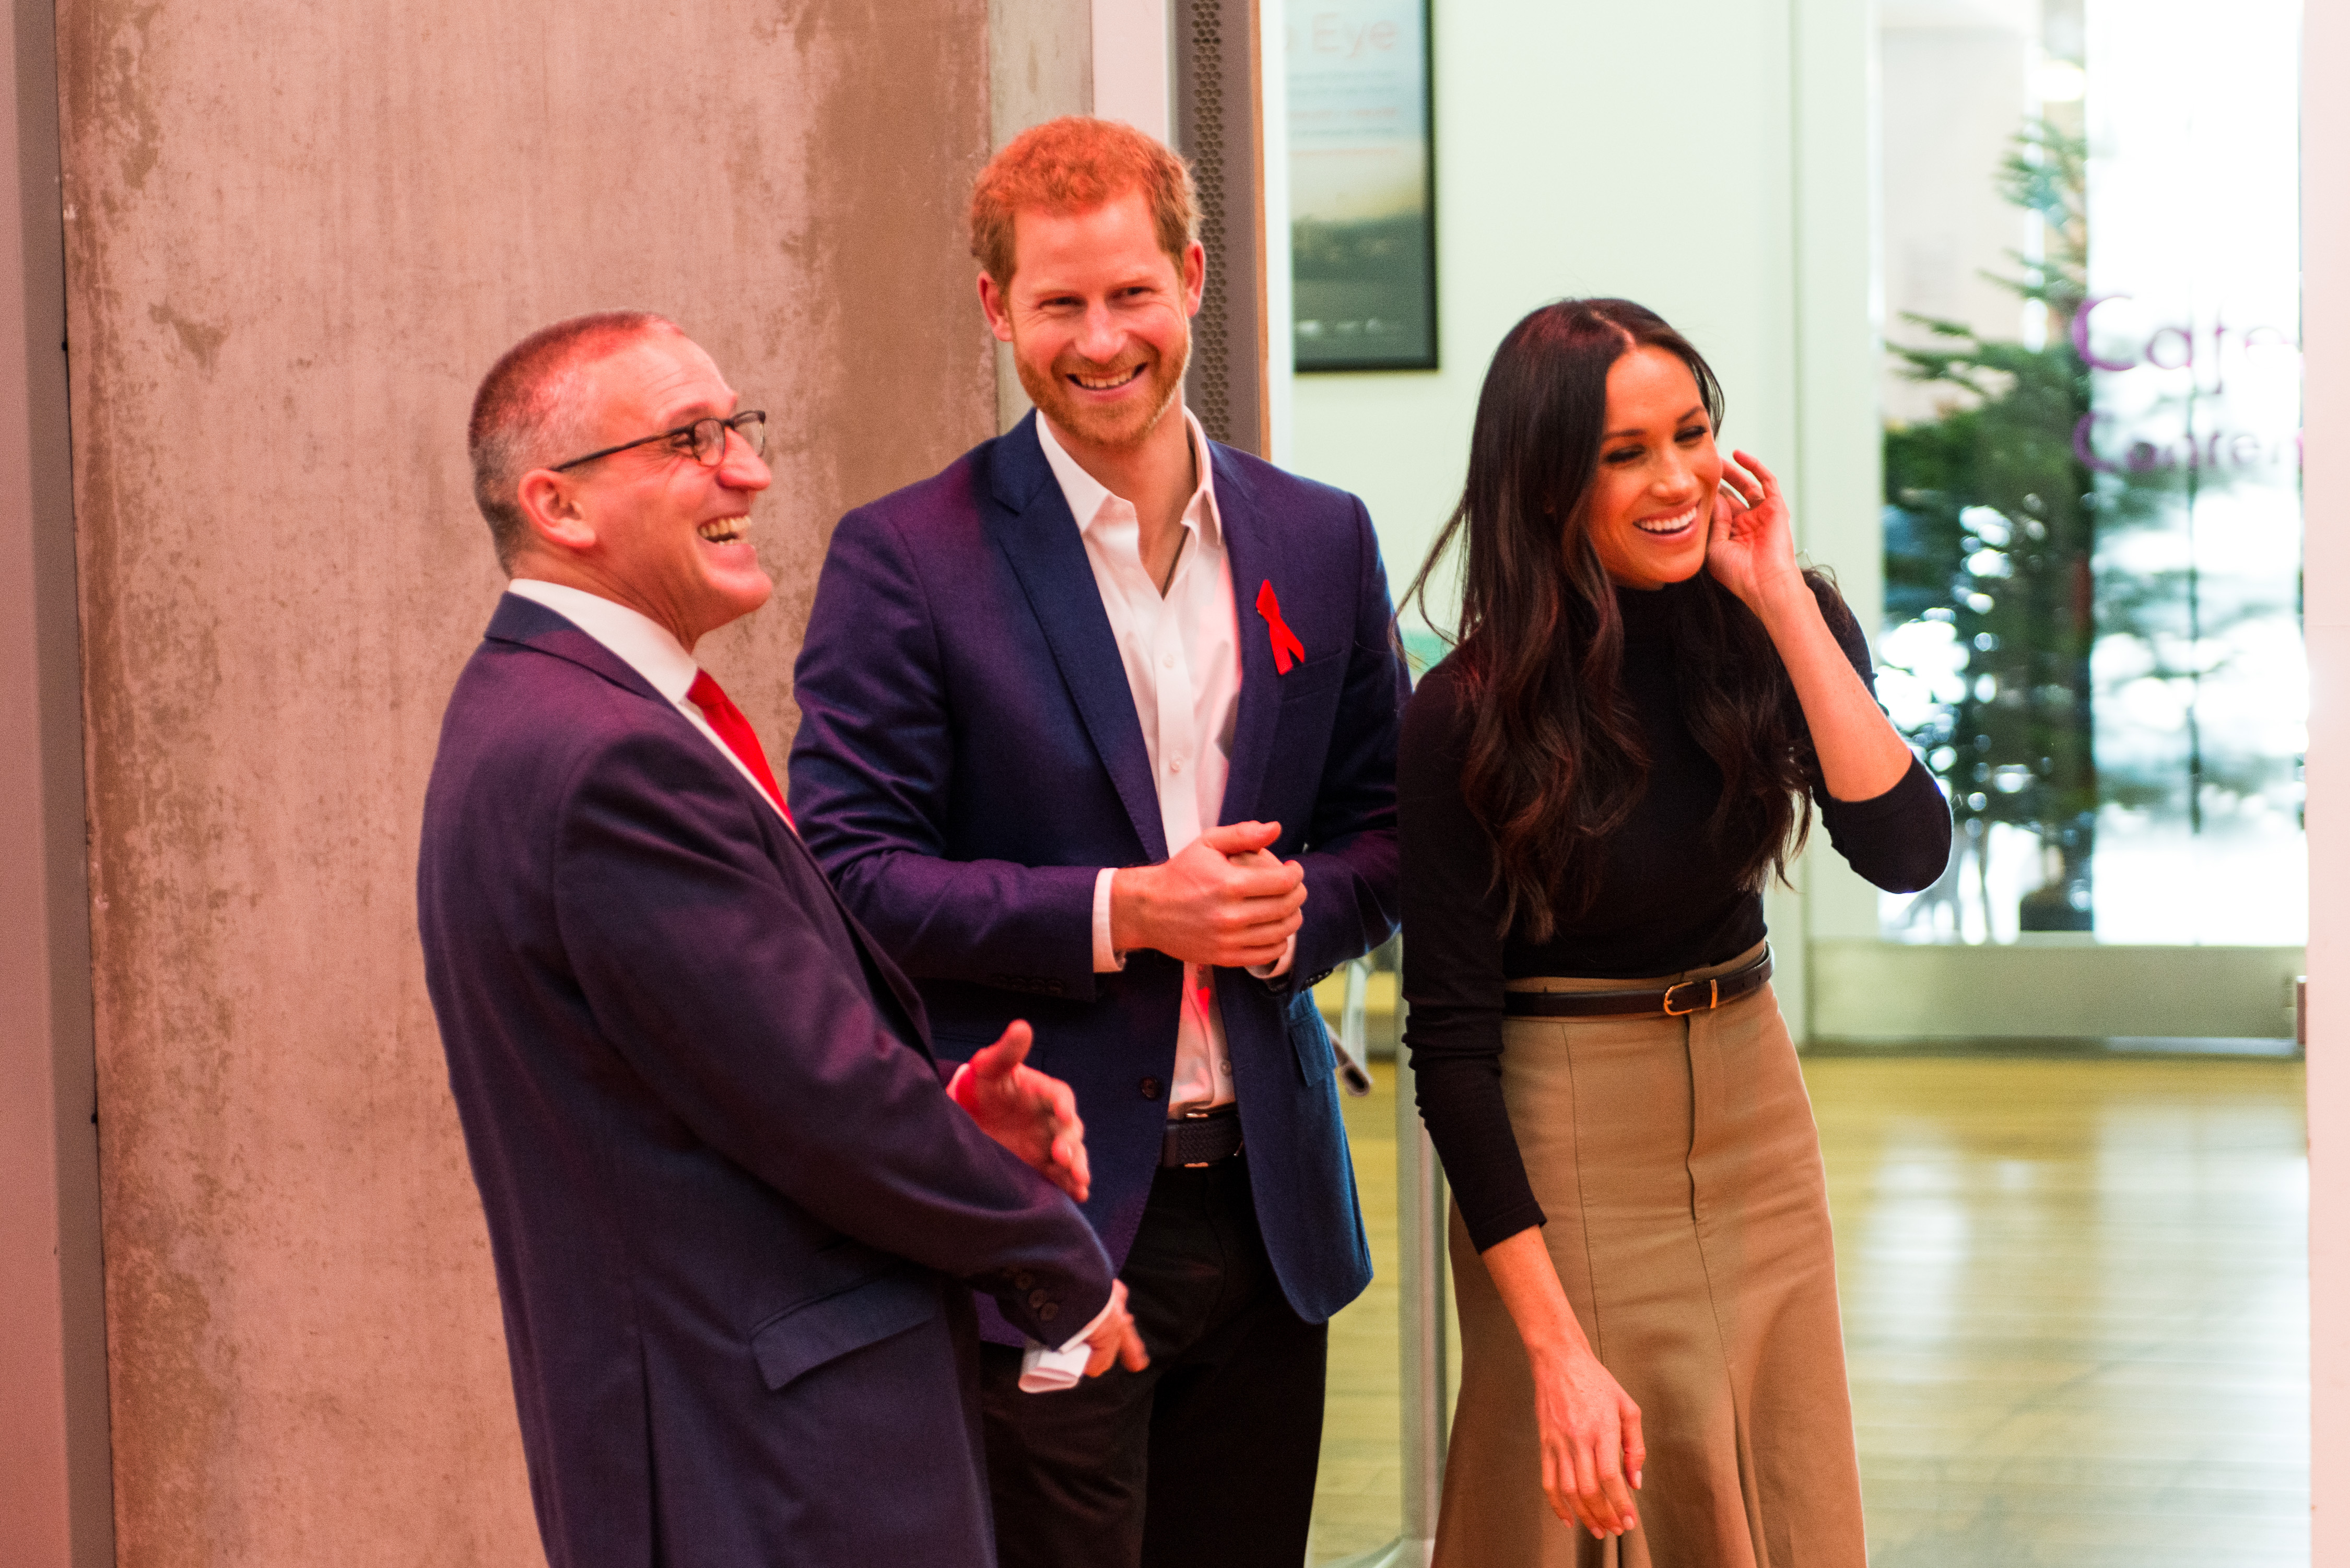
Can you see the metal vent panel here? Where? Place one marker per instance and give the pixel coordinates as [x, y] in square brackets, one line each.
[1216, 109]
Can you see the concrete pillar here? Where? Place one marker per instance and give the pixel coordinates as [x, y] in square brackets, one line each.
[293, 241]
[1041, 64]
[55, 1504]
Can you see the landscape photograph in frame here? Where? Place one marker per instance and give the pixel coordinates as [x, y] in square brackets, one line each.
[1361, 185]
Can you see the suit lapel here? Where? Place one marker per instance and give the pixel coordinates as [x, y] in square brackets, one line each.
[1254, 548]
[876, 961]
[526, 623]
[1032, 526]
[529, 624]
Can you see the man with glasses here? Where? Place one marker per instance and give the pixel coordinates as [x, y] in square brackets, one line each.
[733, 1202]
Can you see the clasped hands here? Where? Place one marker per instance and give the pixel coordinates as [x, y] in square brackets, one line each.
[1223, 900]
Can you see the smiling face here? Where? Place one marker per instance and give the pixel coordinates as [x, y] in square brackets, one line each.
[1099, 319]
[653, 527]
[1651, 495]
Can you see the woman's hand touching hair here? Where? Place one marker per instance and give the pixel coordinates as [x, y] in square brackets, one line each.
[1750, 551]
[1751, 546]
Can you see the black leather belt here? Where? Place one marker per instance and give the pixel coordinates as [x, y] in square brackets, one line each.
[1200, 1138]
[1675, 1001]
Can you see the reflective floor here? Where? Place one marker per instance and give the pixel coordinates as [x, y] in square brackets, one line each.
[1359, 1497]
[2075, 1310]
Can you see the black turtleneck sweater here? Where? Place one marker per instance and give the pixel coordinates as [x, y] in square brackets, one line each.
[1667, 901]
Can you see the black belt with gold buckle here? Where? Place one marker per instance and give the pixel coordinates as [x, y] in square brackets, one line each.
[1677, 1000]
[1200, 1138]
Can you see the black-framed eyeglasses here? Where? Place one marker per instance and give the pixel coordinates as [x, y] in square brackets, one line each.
[705, 439]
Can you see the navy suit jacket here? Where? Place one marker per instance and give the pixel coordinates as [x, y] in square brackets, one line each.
[969, 758]
[731, 1209]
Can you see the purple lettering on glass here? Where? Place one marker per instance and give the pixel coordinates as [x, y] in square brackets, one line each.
[2081, 335]
[2172, 347]
[2185, 350]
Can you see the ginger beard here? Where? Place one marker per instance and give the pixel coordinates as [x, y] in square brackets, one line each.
[1133, 419]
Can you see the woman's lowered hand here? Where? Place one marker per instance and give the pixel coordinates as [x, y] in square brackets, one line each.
[1591, 1447]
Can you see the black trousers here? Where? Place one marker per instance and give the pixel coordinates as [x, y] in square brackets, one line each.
[1208, 1458]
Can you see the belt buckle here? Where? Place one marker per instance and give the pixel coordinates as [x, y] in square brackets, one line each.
[1712, 999]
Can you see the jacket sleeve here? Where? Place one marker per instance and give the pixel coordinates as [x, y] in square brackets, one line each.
[1901, 839]
[1452, 971]
[870, 782]
[1349, 857]
[712, 973]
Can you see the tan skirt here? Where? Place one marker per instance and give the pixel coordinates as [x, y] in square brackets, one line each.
[1680, 1168]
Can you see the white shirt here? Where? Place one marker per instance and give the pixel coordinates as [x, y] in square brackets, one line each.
[645, 646]
[1182, 658]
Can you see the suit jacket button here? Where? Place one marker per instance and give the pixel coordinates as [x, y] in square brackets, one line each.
[1048, 1311]
[1152, 1088]
[1037, 1298]
[1023, 1279]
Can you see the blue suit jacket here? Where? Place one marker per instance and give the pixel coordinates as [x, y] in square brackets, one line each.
[969, 758]
[726, 1195]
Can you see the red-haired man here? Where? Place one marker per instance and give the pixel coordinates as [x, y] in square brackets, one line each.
[1098, 728]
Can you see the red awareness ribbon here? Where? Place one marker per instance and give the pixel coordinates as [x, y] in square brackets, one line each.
[1286, 650]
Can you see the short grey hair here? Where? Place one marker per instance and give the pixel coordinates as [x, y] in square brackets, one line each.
[529, 412]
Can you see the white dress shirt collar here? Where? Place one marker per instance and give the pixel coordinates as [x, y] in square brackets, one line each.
[645, 646]
[1085, 494]
[640, 643]
[1179, 641]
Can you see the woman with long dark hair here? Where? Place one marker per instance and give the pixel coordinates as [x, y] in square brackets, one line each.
[1648, 700]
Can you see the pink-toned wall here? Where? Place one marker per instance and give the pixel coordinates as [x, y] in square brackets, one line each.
[2325, 331]
[295, 238]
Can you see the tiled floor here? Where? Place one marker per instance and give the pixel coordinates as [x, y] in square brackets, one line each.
[2074, 1307]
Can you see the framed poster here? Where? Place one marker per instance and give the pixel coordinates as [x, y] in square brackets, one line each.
[1362, 194]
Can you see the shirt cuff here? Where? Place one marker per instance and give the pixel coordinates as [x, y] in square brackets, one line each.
[1105, 962]
[1280, 966]
[1049, 1369]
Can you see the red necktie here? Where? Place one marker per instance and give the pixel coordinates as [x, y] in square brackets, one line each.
[737, 732]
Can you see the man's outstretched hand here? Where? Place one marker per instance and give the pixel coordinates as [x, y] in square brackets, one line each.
[1030, 1112]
